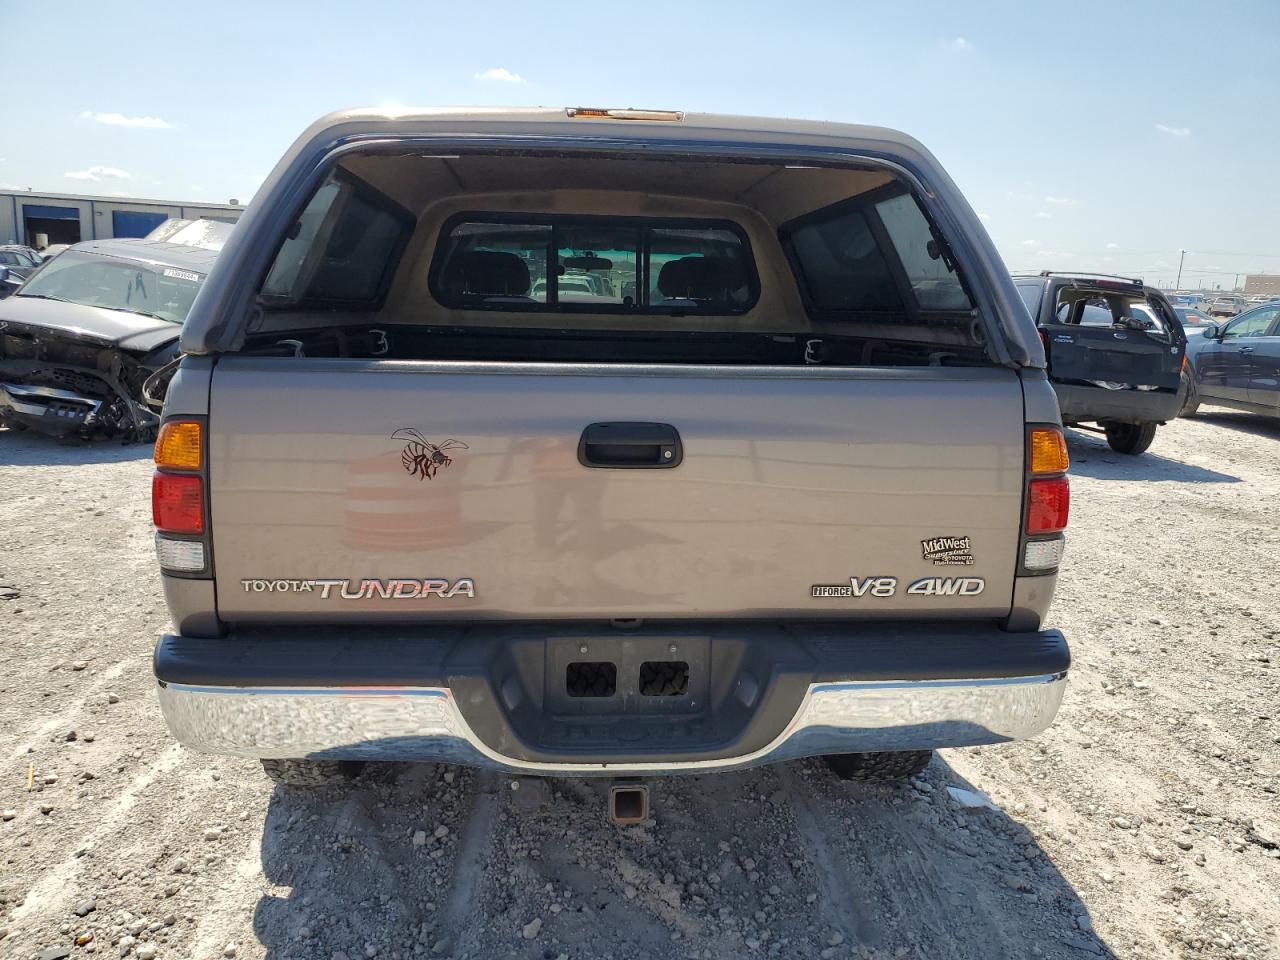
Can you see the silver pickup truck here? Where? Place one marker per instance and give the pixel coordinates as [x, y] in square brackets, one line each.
[607, 443]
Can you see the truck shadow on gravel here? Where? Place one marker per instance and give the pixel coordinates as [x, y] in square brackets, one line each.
[1254, 424]
[25, 448]
[1091, 457]
[783, 861]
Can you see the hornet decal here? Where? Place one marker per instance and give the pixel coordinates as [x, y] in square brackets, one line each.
[422, 458]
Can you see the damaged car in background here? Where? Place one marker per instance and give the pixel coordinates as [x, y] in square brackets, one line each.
[88, 344]
[1116, 352]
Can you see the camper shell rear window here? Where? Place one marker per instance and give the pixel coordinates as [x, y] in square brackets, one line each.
[873, 254]
[594, 264]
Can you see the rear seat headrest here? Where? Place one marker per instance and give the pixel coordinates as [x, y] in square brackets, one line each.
[485, 273]
[698, 278]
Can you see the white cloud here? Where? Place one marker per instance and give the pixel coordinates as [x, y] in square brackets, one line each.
[1041, 215]
[961, 44]
[1031, 243]
[1174, 131]
[1018, 196]
[500, 73]
[1113, 246]
[9, 186]
[120, 120]
[1062, 201]
[984, 216]
[99, 173]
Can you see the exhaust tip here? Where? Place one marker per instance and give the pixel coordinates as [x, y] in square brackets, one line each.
[628, 803]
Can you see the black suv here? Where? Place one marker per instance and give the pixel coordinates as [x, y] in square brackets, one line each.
[1115, 349]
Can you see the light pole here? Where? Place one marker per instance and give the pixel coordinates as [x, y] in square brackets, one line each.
[1182, 256]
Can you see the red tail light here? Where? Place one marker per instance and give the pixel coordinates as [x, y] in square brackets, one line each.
[1048, 505]
[177, 503]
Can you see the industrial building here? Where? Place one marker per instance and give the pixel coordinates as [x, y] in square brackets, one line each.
[1268, 283]
[40, 219]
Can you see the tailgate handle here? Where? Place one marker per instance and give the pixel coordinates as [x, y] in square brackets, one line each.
[623, 444]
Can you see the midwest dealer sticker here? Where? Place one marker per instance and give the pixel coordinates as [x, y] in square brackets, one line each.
[948, 551]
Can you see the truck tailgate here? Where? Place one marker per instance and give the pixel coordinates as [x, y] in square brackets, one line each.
[790, 478]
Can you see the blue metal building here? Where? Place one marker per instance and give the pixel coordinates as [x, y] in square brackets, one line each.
[40, 219]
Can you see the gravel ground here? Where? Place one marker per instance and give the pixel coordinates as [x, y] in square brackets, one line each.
[1143, 824]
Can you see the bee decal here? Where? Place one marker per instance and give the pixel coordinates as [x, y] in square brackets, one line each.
[422, 458]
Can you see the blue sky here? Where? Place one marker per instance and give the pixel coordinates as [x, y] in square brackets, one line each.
[1102, 136]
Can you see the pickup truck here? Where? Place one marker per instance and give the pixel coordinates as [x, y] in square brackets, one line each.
[1116, 350]
[789, 482]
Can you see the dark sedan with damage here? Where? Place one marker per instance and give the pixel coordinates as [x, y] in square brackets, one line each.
[88, 343]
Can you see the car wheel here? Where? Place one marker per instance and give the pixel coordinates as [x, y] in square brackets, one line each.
[1131, 438]
[878, 767]
[311, 773]
[1191, 403]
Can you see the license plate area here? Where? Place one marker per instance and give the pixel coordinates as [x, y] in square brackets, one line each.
[611, 675]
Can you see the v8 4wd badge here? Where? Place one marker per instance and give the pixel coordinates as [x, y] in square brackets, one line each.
[858, 587]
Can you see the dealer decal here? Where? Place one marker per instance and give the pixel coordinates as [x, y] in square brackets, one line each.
[948, 551]
[368, 589]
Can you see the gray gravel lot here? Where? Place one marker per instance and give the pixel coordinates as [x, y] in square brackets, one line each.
[1143, 824]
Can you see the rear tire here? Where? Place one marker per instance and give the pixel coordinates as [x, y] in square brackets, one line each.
[1191, 403]
[311, 773]
[878, 767]
[1130, 438]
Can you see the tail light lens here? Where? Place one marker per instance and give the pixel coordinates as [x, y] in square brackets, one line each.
[1048, 505]
[179, 446]
[177, 503]
[1047, 452]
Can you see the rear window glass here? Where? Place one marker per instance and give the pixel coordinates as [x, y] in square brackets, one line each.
[1099, 309]
[842, 266]
[342, 250]
[935, 285]
[1032, 294]
[874, 254]
[593, 264]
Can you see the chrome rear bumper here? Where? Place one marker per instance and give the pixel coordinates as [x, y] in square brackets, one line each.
[425, 724]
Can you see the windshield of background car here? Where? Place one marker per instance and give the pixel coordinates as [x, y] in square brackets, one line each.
[148, 289]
